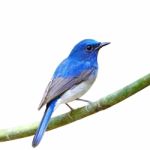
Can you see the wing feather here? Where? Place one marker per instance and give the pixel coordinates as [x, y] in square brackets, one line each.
[59, 85]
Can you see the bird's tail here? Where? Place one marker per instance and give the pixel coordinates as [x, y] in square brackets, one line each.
[44, 123]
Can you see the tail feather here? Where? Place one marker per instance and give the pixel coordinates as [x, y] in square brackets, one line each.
[44, 123]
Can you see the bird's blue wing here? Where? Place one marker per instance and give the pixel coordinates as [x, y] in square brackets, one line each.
[65, 77]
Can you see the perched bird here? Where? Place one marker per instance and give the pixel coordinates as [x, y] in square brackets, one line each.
[72, 78]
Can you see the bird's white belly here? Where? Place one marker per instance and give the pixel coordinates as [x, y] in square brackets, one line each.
[76, 91]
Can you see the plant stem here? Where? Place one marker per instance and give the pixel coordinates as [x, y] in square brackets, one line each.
[77, 114]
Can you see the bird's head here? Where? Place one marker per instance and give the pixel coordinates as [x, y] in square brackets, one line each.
[87, 49]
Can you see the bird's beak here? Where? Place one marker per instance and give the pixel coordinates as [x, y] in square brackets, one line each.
[103, 44]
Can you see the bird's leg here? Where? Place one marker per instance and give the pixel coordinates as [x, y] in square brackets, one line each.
[84, 100]
[69, 106]
[78, 99]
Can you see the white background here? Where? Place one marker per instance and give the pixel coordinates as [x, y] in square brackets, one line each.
[36, 35]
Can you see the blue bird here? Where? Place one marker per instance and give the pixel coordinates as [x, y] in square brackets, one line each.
[72, 78]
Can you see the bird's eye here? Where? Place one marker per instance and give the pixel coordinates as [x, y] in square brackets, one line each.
[89, 48]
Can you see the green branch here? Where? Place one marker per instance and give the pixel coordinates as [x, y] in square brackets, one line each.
[61, 120]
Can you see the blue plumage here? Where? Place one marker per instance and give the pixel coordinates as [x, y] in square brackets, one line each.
[44, 123]
[72, 68]
[72, 78]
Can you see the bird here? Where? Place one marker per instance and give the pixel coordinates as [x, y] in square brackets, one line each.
[72, 78]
